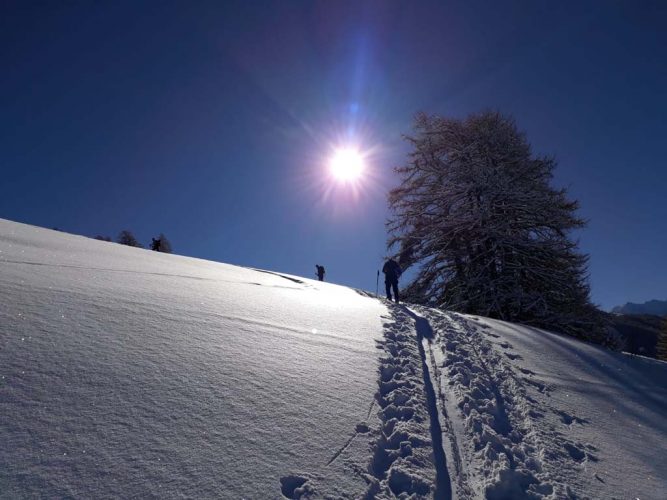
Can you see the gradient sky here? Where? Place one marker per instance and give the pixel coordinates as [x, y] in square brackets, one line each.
[213, 121]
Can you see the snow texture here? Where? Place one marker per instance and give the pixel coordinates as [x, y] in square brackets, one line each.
[540, 415]
[126, 373]
[129, 373]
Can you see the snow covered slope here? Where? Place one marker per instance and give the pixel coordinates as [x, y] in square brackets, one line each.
[532, 413]
[128, 373]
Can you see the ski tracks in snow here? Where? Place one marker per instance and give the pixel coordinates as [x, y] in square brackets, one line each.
[402, 432]
[455, 418]
[508, 450]
[408, 460]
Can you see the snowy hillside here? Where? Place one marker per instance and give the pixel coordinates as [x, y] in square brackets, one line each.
[128, 373]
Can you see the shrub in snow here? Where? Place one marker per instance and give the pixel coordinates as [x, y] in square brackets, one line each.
[126, 237]
[165, 244]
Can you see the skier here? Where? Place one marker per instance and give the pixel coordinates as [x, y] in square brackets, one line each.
[392, 271]
[320, 272]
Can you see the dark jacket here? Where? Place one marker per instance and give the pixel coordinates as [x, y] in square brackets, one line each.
[391, 270]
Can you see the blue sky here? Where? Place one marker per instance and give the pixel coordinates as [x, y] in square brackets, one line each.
[213, 121]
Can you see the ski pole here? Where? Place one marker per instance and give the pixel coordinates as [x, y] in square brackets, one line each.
[377, 283]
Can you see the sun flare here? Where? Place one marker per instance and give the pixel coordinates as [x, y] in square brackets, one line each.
[347, 165]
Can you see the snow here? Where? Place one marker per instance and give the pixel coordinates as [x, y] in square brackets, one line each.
[540, 414]
[129, 373]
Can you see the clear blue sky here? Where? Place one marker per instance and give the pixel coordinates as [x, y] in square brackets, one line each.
[212, 121]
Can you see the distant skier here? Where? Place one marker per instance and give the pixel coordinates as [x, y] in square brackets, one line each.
[155, 244]
[392, 271]
[320, 272]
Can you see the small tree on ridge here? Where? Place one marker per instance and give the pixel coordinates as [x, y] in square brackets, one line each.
[126, 237]
[165, 244]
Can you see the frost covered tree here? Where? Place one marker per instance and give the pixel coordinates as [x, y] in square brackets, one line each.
[126, 237]
[476, 215]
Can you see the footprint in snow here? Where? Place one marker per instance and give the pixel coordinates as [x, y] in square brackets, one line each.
[578, 454]
[513, 356]
[568, 419]
[294, 486]
[362, 428]
[538, 385]
[535, 414]
[531, 400]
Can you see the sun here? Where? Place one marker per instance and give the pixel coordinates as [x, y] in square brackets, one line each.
[347, 165]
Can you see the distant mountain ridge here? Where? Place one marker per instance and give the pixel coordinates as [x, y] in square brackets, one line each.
[654, 307]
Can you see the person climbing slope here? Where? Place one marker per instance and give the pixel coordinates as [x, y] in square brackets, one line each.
[392, 271]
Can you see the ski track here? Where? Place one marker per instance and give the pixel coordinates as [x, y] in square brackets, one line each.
[448, 441]
[403, 463]
[509, 454]
[407, 458]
